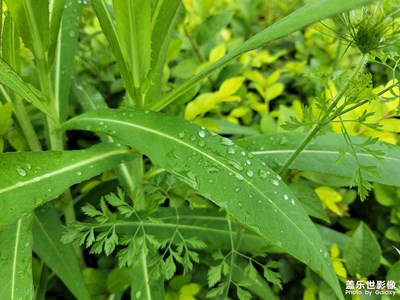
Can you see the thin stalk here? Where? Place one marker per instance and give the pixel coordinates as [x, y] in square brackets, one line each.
[325, 118]
[233, 256]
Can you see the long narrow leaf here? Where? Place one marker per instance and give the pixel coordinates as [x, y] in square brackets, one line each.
[57, 9]
[65, 51]
[226, 174]
[133, 23]
[28, 179]
[61, 258]
[162, 24]
[304, 16]
[12, 80]
[16, 260]
[108, 27]
[323, 153]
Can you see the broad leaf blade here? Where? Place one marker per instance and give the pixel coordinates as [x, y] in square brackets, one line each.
[16, 260]
[29, 179]
[61, 258]
[362, 244]
[322, 153]
[142, 286]
[13, 81]
[226, 174]
[302, 17]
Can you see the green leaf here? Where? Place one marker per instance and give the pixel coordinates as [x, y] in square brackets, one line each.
[29, 179]
[222, 172]
[64, 52]
[119, 280]
[32, 20]
[57, 8]
[362, 244]
[10, 43]
[133, 24]
[302, 17]
[61, 258]
[5, 116]
[12, 80]
[16, 260]
[322, 153]
[107, 25]
[162, 23]
[309, 199]
[142, 285]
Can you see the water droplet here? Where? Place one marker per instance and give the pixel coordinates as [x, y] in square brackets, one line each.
[101, 123]
[259, 201]
[28, 166]
[278, 177]
[226, 141]
[325, 254]
[242, 153]
[202, 133]
[146, 112]
[239, 177]
[274, 182]
[236, 165]
[192, 138]
[231, 150]
[182, 134]
[21, 171]
[262, 174]
[211, 181]
[292, 201]
[248, 162]
[202, 144]
[237, 190]
[138, 294]
[79, 173]
[240, 204]
[251, 196]
[285, 197]
[72, 33]
[250, 173]
[275, 210]
[320, 250]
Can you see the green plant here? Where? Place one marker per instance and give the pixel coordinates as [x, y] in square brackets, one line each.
[260, 214]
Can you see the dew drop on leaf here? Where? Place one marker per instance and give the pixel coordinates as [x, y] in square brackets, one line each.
[202, 144]
[237, 190]
[239, 177]
[211, 181]
[275, 182]
[202, 133]
[192, 138]
[243, 153]
[226, 141]
[285, 197]
[262, 174]
[250, 173]
[231, 150]
[21, 171]
[79, 173]
[293, 203]
[182, 134]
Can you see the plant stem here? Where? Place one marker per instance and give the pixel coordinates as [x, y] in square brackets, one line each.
[325, 118]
